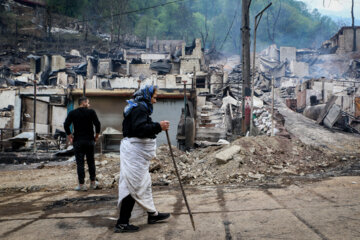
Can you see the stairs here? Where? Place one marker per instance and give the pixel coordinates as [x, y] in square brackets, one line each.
[210, 125]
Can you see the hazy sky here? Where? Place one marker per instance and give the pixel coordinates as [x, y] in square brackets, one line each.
[335, 8]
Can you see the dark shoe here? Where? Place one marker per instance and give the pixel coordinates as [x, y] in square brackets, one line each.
[120, 228]
[154, 219]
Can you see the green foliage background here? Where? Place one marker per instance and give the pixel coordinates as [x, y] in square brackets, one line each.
[287, 22]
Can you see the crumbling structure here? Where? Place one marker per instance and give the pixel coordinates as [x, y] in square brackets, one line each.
[108, 79]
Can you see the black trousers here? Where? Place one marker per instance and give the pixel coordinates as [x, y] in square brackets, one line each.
[82, 149]
[127, 206]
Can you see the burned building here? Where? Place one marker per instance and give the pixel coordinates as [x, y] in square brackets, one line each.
[342, 41]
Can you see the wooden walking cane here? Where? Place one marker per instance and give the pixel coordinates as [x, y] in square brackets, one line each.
[178, 176]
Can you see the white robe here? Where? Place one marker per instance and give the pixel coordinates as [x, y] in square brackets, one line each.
[135, 179]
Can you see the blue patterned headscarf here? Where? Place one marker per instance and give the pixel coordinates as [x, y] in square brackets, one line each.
[141, 96]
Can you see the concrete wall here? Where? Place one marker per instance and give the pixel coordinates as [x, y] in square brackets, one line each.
[24, 77]
[312, 92]
[104, 66]
[288, 53]
[286, 82]
[216, 81]
[348, 39]
[58, 118]
[57, 62]
[346, 103]
[163, 81]
[171, 81]
[62, 78]
[5, 122]
[175, 68]
[45, 62]
[41, 111]
[17, 112]
[187, 65]
[301, 99]
[168, 110]
[108, 109]
[328, 86]
[7, 98]
[136, 70]
[300, 69]
[110, 114]
[131, 82]
[152, 57]
[40, 128]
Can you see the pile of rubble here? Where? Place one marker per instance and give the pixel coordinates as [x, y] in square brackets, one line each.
[263, 121]
[250, 160]
[245, 160]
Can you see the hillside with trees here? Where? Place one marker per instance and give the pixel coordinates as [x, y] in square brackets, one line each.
[216, 22]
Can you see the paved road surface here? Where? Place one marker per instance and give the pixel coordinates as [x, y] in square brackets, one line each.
[329, 209]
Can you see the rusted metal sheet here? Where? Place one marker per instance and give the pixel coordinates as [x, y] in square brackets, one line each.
[291, 103]
[301, 99]
[333, 115]
[357, 106]
[324, 112]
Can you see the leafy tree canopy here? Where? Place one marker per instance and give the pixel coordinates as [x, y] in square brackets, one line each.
[286, 22]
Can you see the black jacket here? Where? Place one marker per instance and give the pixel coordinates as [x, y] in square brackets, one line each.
[139, 124]
[83, 120]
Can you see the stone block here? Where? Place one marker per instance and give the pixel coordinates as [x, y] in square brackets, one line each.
[227, 154]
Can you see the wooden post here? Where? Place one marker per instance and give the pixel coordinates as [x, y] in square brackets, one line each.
[34, 113]
[193, 85]
[2, 144]
[84, 87]
[245, 35]
[185, 98]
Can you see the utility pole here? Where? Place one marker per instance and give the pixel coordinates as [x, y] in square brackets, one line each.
[272, 107]
[256, 24]
[34, 112]
[353, 26]
[245, 57]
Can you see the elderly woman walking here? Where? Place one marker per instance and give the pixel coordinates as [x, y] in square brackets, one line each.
[137, 149]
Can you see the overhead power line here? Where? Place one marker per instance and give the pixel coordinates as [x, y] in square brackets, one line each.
[227, 34]
[129, 12]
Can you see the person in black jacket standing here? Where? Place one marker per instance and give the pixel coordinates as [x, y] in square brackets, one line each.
[83, 120]
[137, 148]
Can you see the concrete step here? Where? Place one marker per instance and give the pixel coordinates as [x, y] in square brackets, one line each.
[211, 130]
[207, 125]
[214, 117]
[208, 121]
[210, 137]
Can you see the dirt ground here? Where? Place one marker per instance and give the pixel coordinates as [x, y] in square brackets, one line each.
[261, 160]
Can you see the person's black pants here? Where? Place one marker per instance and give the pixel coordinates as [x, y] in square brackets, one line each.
[127, 206]
[82, 149]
